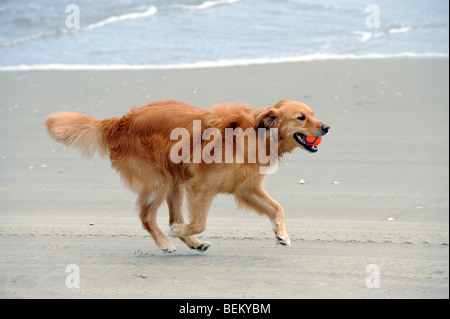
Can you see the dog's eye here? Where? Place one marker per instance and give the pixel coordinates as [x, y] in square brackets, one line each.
[301, 118]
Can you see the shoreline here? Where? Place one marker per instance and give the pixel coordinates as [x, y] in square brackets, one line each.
[220, 63]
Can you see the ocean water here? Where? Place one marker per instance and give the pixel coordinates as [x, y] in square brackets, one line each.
[194, 33]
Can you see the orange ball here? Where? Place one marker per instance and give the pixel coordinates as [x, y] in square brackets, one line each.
[313, 140]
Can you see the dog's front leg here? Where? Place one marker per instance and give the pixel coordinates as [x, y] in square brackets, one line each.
[257, 199]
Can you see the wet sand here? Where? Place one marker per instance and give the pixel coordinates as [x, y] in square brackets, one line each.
[377, 192]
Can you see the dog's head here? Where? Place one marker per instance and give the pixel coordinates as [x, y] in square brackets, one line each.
[294, 121]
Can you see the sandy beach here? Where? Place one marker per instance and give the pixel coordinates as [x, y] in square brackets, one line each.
[376, 193]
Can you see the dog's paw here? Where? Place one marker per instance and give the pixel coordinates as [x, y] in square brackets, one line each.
[281, 236]
[202, 247]
[283, 240]
[168, 250]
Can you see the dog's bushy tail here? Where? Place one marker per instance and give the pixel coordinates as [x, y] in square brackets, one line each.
[76, 130]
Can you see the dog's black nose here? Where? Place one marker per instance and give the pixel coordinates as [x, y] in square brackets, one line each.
[325, 128]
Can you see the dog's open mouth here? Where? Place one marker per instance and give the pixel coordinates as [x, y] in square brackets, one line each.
[301, 139]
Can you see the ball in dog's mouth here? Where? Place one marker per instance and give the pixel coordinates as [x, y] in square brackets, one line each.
[301, 139]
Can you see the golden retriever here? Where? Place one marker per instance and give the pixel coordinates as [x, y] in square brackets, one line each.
[141, 146]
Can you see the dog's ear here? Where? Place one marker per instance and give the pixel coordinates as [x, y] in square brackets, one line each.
[267, 119]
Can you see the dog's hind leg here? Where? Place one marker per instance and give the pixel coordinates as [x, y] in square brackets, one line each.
[198, 207]
[176, 217]
[149, 203]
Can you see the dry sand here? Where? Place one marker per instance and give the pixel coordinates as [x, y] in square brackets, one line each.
[377, 192]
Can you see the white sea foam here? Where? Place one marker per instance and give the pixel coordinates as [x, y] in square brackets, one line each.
[399, 30]
[206, 5]
[366, 36]
[27, 39]
[218, 64]
[129, 16]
